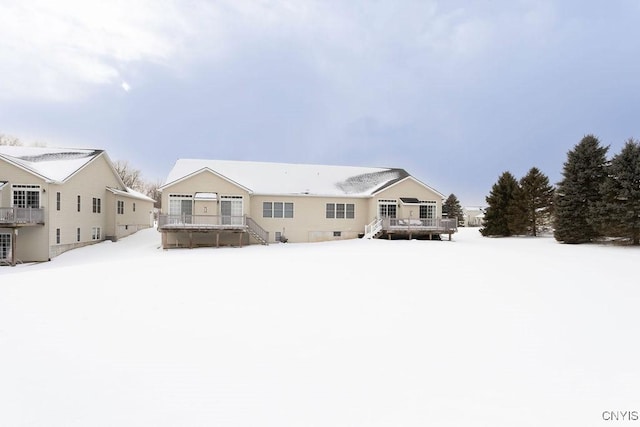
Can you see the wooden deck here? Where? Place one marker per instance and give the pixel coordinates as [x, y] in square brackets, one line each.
[411, 228]
[218, 226]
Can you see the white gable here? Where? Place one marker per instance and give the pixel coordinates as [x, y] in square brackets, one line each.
[286, 178]
[55, 164]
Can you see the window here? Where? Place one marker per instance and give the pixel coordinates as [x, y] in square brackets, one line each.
[387, 208]
[26, 196]
[134, 206]
[120, 207]
[58, 201]
[337, 234]
[57, 236]
[97, 208]
[278, 236]
[78, 203]
[231, 210]
[341, 210]
[5, 246]
[180, 204]
[95, 233]
[331, 210]
[267, 210]
[277, 210]
[78, 234]
[351, 211]
[427, 210]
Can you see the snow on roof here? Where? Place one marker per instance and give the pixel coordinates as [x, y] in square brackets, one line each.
[288, 178]
[55, 164]
[130, 192]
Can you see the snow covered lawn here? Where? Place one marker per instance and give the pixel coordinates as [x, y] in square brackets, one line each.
[473, 332]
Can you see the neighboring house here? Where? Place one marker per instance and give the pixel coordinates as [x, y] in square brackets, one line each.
[55, 199]
[215, 202]
[473, 216]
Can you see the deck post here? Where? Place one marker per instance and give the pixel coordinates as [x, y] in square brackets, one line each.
[218, 239]
[190, 240]
[240, 235]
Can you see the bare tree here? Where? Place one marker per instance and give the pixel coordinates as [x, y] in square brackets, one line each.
[152, 190]
[131, 177]
[9, 140]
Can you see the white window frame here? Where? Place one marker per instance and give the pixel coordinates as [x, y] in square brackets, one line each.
[431, 209]
[5, 246]
[96, 233]
[383, 208]
[96, 205]
[236, 210]
[340, 210]
[285, 210]
[25, 189]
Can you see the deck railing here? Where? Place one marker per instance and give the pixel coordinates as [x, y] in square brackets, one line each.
[260, 233]
[21, 216]
[444, 225]
[201, 221]
[370, 230]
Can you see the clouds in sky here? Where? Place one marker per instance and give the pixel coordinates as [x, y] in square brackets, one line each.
[455, 92]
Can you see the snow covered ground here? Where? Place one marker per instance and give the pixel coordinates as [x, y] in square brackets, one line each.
[473, 332]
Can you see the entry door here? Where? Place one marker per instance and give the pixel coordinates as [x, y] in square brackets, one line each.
[387, 210]
[5, 246]
[231, 210]
[180, 209]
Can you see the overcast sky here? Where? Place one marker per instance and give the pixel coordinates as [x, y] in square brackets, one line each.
[455, 92]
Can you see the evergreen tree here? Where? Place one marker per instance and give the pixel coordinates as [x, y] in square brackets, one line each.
[535, 201]
[517, 213]
[452, 208]
[618, 213]
[499, 202]
[579, 191]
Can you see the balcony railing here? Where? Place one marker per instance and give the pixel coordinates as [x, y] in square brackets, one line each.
[183, 222]
[21, 216]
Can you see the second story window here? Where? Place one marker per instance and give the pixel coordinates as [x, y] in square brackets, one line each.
[120, 207]
[58, 201]
[97, 205]
[26, 196]
[78, 203]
